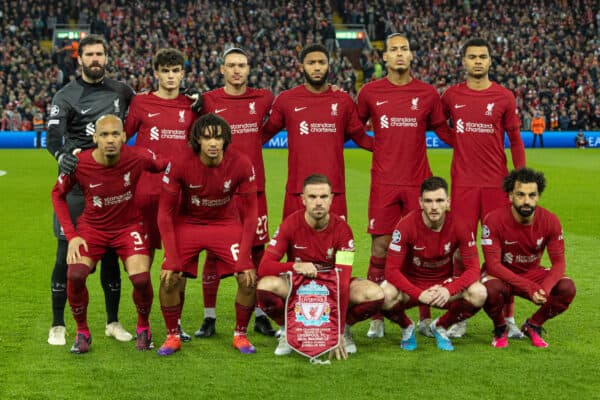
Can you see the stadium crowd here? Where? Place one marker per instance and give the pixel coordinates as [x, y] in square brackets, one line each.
[548, 53]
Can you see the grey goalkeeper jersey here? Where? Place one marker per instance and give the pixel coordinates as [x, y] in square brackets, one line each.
[77, 106]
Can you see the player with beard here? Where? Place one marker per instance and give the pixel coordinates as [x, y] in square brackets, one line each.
[419, 267]
[245, 109]
[401, 109]
[75, 108]
[162, 120]
[481, 111]
[513, 239]
[318, 121]
[314, 239]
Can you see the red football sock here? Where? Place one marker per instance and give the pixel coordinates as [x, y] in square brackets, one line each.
[376, 273]
[210, 280]
[272, 305]
[362, 311]
[424, 312]
[494, 305]
[458, 310]
[398, 315]
[509, 307]
[560, 298]
[142, 297]
[77, 294]
[171, 315]
[242, 317]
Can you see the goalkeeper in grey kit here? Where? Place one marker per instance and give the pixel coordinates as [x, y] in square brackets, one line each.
[75, 109]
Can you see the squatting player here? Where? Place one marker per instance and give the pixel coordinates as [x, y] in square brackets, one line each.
[245, 109]
[318, 121]
[401, 109]
[419, 267]
[162, 120]
[74, 110]
[481, 111]
[315, 239]
[197, 212]
[513, 240]
[108, 176]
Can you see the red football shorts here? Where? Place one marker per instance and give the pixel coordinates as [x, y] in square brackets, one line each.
[221, 240]
[536, 275]
[126, 242]
[389, 203]
[471, 204]
[293, 202]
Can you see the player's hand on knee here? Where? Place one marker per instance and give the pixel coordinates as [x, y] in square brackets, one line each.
[67, 163]
[73, 254]
[441, 297]
[169, 278]
[248, 277]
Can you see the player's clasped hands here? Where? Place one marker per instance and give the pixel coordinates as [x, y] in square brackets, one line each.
[307, 269]
[436, 296]
[539, 297]
[73, 254]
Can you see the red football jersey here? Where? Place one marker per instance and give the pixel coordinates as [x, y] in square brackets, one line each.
[400, 116]
[206, 192]
[480, 118]
[513, 249]
[163, 126]
[302, 243]
[108, 191]
[246, 115]
[318, 124]
[418, 253]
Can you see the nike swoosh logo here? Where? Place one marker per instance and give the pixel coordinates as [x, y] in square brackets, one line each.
[509, 243]
[459, 105]
[93, 185]
[380, 102]
[262, 237]
[138, 248]
[418, 248]
[195, 186]
[299, 247]
[85, 111]
[296, 109]
[152, 115]
[218, 110]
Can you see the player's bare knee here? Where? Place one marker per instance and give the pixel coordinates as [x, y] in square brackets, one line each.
[391, 295]
[476, 294]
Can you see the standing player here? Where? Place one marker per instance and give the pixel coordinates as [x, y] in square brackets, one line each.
[245, 109]
[513, 241]
[401, 109]
[481, 111]
[162, 120]
[207, 218]
[318, 121]
[419, 267]
[315, 239]
[74, 110]
[108, 176]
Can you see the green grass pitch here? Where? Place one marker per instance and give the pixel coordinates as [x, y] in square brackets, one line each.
[211, 369]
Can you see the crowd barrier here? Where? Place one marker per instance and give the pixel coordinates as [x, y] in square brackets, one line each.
[30, 140]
